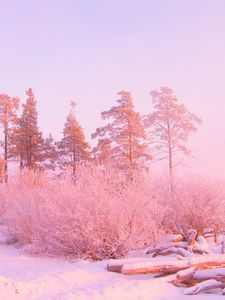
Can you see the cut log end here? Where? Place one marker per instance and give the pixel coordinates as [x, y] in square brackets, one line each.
[114, 268]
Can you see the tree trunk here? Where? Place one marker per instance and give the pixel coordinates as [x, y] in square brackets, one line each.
[171, 183]
[171, 171]
[6, 145]
[74, 163]
[6, 156]
[216, 229]
[223, 246]
[21, 163]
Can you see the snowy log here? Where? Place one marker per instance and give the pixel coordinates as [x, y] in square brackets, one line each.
[191, 238]
[159, 248]
[202, 242]
[183, 276]
[173, 250]
[191, 276]
[204, 286]
[200, 250]
[169, 266]
[182, 248]
[115, 265]
[202, 245]
[173, 238]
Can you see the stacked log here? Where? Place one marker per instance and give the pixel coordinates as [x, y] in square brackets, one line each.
[195, 267]
[193, 244]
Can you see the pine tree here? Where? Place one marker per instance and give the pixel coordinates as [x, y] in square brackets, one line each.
[170, 123]
[73, 149]
[8, 118]
[103, 152]
[125, 135]
[27, 138]
[48, 153]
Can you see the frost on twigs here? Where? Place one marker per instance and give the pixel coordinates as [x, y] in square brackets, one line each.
[101, 216]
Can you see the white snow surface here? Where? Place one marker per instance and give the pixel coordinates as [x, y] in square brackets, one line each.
[40, 278]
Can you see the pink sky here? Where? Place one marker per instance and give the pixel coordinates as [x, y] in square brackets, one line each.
[87, 51]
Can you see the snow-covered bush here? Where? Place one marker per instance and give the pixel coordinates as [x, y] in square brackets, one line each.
[197, 202]
[101, 216]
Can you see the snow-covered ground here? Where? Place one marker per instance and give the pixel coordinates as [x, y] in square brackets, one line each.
[40, 278]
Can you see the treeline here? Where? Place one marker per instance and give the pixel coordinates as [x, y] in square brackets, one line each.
[127, 140]
[113, 207]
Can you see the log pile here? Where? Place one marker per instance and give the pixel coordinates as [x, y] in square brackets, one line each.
[194, 267]
[189, 247]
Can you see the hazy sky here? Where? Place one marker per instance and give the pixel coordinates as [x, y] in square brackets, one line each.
[87, 51]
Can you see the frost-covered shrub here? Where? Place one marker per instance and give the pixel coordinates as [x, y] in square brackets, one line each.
[197, 203]
[103, 215]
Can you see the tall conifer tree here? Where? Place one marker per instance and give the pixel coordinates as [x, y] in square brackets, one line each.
[124, 135]
[73, 149]
[27, 138]
[170, 126]
[8, 118]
